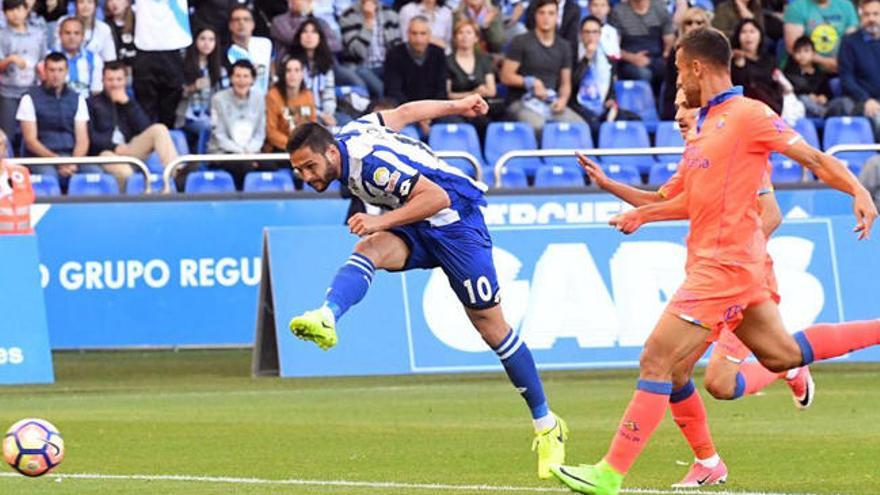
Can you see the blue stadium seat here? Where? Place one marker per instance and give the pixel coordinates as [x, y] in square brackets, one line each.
[135, 184]
[624, 134]
[849, 130]
[154, 164]
[661, 172]
[562, 135]
[457, 137]
[558, 176]
[45, 185]
[180, 143]
[513, 178]
[638, 97]
[807, 129]
[209, 182]
[92, 185]
[412, 131]
[627, 174]
[787, 172]
[668, 134]
[502, 137]
[277, 181]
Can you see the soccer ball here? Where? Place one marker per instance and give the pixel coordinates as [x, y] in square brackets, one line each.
[33, 447]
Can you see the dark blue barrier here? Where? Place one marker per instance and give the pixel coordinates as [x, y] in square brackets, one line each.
[24, 338]
[185, 273]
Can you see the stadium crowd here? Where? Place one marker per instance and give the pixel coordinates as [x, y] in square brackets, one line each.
[112, 77]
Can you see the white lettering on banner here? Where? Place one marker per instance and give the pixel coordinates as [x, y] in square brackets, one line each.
[567, 297]
[226, 272]
[644, 277]
[44, 276]
[113, 275]
[12, 355]
[803, 296]
[571, 212]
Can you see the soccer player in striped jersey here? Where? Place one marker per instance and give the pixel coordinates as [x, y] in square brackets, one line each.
[727, 285]
[728, 376]
[432, 219]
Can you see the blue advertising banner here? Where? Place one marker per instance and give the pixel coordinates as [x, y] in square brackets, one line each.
[580, 296]
[185, 273]
[24, 337]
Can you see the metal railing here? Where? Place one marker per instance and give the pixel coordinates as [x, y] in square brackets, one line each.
[89, 160]
[840, 148]
[180, 161]
[510, 155]
[668, 150]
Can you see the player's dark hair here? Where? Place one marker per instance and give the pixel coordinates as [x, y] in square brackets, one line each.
[238, 7]
[56, 57]
[541, 3]
[12, 4]
[862, 3]
[246, 65]
[803, 42]
[310, 135]
[708, 45]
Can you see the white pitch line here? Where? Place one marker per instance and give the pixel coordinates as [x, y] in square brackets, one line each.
[372, 484]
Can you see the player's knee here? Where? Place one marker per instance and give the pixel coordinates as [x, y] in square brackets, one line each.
[653, 365]
[680, 378]
[157, 128]
[367, 247]
[721, 388]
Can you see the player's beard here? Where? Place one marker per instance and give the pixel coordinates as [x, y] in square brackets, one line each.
[327, 177]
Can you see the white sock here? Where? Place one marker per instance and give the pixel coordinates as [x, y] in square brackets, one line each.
[545, 423]
[710, 462]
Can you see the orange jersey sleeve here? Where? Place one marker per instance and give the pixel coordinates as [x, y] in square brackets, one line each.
[765, 130]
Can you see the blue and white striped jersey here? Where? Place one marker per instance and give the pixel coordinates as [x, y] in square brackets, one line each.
[381, 167]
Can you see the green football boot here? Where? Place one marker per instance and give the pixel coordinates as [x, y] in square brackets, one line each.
[550, 445]
[599, 479]
[318, 325]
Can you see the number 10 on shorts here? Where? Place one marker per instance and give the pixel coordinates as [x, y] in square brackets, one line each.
[484, 290]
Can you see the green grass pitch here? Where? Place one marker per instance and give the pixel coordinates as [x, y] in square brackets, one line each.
[198, 414]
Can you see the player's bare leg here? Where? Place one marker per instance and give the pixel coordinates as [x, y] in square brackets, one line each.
[550, 430]
[672, 341]
[763, 332]
[381, 250]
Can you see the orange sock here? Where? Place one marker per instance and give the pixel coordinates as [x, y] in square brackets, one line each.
[644, 413]
[826, 341]
[689, 414]
[757, 377]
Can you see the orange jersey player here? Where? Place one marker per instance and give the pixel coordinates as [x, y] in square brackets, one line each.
[727, 377]
[726, 284]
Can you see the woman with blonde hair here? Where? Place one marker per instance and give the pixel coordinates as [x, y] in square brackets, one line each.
[693, 18]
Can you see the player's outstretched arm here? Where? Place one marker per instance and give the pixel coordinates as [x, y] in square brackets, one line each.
[832, 172]
[630, 221]
[417, 111]
[425, 200]
[632, 195]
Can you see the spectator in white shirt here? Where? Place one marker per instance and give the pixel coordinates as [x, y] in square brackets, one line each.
[439, 18]
[246, 46]
[85, 66]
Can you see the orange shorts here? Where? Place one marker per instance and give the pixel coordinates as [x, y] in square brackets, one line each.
[714, 295]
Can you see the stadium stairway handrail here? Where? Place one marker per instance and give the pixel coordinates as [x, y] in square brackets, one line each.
[175, 164]
[89, 160]
[510, 155]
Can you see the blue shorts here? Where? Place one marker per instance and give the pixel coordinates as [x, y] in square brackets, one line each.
[463, 250]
